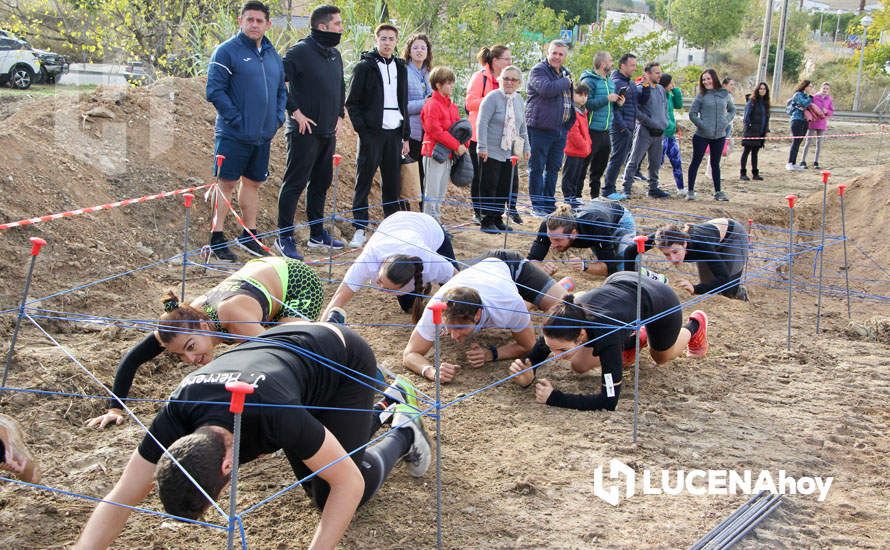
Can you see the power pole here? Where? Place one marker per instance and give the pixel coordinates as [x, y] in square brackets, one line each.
[780, 49]
[763, 62]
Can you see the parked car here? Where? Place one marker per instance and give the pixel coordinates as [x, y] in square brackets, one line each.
[19, 64]
[52, 65]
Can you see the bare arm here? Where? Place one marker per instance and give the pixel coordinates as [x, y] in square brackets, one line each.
[347, 487]
[414, 359]
[108, 520]
[522, 343]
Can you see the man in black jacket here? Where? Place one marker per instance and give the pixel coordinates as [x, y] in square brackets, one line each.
[378, 108]
[315, 90]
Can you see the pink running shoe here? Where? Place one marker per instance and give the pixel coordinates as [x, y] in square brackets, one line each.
[698, 344]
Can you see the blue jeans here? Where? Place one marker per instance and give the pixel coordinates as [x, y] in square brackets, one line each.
[543, 167]
[671, 149]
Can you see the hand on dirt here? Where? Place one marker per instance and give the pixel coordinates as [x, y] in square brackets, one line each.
[543, 389]
[519, 365]
[448, 371]
[686, 285]
[476, 356]
[577, 262]
[113, 416]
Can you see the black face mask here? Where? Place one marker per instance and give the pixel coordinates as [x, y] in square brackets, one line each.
[325, 38]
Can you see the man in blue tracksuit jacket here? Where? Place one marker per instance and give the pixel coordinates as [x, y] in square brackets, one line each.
[245, 82]
[622, 131]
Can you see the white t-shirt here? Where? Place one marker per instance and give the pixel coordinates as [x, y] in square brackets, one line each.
[502, 306]
[392, 116]
[411, 233]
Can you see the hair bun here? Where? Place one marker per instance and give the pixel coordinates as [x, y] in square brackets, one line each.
[171, 302]
[569, 299]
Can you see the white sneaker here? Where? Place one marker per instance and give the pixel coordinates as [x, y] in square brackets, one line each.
[790, 167]
[358, 239]
[682, 193]
[419, 456]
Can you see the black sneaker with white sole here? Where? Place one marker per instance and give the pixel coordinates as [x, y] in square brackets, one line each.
[219, 249]
[250, 245]
[325, 241]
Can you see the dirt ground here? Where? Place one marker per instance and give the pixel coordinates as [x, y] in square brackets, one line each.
[516, 474]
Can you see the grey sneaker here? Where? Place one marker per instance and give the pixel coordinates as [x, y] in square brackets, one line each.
[720, 196]
[420, 454]
[690, 195]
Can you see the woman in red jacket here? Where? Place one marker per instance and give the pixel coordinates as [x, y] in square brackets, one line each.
[493, 60]
[578, 147]
[439, 113]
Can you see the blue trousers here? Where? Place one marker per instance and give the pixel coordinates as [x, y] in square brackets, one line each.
[543, 167]
[671, 149]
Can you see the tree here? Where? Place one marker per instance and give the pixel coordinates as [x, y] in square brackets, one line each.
[583, 10]
[707, 23]
[615, 39]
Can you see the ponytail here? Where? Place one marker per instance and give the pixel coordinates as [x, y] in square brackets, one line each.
[401, 268]
[566, 320]
[177, 318]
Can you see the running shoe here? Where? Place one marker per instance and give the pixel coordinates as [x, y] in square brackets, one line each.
[517, 219]
[698, 343]
[681, 193]
[288, 247]
[251, 245]
[629, 356]
[658, 194]
[721, 196]
[617, 196]
[358, 239]
[420, 454]
[219, 250]
[325, 241]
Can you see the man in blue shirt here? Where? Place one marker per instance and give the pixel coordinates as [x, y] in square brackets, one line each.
[245, 83]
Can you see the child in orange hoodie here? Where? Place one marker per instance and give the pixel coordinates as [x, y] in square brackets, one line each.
[578, 149]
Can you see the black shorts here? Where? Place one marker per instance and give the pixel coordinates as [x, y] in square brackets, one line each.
[663, 332]
[531, 281]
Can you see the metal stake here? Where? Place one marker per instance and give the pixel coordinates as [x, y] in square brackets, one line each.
[437, 309]
[36, 244]
[825, 175]
[841, 190]
[337, 159]
[791, 199]
[641, 249]
[187, 200]
[236, 405]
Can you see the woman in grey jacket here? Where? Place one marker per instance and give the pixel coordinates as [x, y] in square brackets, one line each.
[418, 57]
[711, 111]
[497, 130]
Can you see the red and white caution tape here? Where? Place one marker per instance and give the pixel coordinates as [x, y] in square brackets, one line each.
[107, 206]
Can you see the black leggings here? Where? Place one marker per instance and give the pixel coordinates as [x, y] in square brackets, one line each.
[753, 152]
[353, 429]
[532, 282]
[699, 144]
[798, 130]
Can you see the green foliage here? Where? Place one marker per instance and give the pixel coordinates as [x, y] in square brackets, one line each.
[830, 22]
[687, 79]
[791, 64]
[842, 76]
[582, 10]
[615, 39]
[706, 23]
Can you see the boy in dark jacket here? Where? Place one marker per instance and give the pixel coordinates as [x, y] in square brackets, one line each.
[622, 131]
[378, 109]
[577, 150]
[245, 83]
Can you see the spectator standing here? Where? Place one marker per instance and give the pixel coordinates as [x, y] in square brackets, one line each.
[315, 93]
[577, 151]
[651, 123]
[818, 126]
[378, 109]
[418, 57]
[437, 116]
[242, 70]
[600, 113]
[500, 126]
[670, 148]
[756, 122]
[621, 133]
[800, 102]
[549, 114]
[710, 113]
[492, 61]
